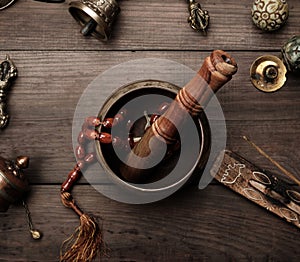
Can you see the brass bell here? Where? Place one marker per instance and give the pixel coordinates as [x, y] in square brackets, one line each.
[95, 16]
[13, 183]
[291, 54]
[268, 73]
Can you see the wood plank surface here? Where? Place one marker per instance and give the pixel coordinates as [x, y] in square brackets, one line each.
[211, 225]
[56, 64]
[142, 25]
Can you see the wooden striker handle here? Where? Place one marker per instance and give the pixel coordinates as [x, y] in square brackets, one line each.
[217, 69]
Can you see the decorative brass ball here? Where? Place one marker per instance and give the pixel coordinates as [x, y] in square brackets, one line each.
[291, 54]
[270, 15]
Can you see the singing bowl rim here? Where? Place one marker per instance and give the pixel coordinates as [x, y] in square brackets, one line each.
[169, 87]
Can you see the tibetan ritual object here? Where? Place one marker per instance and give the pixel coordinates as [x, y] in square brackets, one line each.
[266, 189]
[291, 54]
[8, 73]
[13, 187]
[216, 70]
[96, 17]
[133, 109]
[199, 18]
[13, 183]
[270, 15]
[268, 72]
[113, 130]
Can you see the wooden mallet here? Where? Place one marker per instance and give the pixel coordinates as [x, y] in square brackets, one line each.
[217, 69]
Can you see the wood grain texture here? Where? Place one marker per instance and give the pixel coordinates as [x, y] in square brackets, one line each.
[55, 66]
[142, 25]
[213, 224]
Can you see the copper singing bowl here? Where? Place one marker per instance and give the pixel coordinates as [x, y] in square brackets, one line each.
[142, 99]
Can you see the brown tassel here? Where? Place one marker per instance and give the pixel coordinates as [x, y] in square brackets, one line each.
[86, 242]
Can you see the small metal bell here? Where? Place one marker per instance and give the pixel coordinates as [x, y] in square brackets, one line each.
[95, 16]
[270, 15]
[268, 73]
[13, 183]
[291, 54]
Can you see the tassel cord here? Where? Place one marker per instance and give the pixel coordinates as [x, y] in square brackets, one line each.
[85, 243]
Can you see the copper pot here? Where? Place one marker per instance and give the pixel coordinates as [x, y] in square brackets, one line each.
[13, 183]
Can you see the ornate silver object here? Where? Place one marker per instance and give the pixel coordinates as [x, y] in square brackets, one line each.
[5, 3]
[95, 16]
[8, 72]
[198, 18]
[291, 54]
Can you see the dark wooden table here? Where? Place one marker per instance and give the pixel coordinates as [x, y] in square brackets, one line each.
[56, 63]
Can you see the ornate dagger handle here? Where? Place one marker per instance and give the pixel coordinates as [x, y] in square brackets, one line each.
[198, 18]
[8, 72]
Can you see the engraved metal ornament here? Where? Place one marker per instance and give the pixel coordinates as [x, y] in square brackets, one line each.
[198, 18]
[232, 173]
[291, 54]
[268, 73]
[270, 15]
[5, 3]
[95, 16]
[8, 72]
